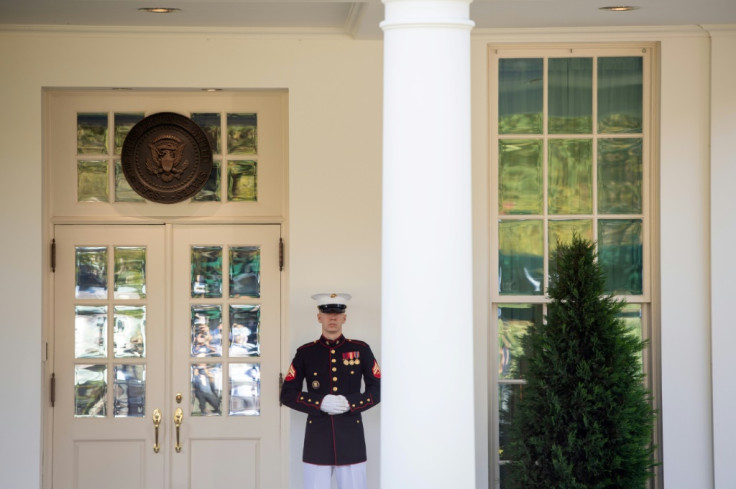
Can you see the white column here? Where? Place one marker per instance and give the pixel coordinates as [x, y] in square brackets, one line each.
[427, 429]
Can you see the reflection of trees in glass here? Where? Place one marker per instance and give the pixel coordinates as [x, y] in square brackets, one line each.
[242, 134]
[620, 253]
[245, 271]
[520, 186]
[620, 176]
[206, 263]
[90, 388]
[130, 272]
[91, 133]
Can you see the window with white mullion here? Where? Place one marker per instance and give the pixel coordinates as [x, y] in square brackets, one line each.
[570, 153]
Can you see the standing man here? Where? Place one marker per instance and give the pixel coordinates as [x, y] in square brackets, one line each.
[333, 367]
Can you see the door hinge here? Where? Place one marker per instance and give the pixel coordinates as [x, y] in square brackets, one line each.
[52, 393]
[281, 384]
[281, 254]
[53, 255]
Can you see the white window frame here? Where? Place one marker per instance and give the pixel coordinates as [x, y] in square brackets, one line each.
[650, 287]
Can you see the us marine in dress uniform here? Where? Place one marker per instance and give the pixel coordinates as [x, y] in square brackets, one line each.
[333, 367]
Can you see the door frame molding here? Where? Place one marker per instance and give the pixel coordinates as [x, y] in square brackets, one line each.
[50, 219]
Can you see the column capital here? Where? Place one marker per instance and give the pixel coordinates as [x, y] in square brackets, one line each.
[427, 13]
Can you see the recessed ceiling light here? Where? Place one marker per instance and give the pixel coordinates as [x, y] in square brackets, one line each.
[619, 8]
[159, 10]
[212, 89]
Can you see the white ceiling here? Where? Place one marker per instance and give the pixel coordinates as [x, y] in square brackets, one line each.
[358, 19]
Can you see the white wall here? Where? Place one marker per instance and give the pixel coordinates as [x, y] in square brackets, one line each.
[723, 259]
[334, 199]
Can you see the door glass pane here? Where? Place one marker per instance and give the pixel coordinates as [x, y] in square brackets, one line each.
[620, 255]
[513, 322]
[242, 183]
[210, 124]
[206, 271]
[570, 95]
[130, 331]
[123, 191]
[123, 124]
[92, 133]
[91, 272]
[92, 181]
[242, 134]
[90, 331]
[206, 328]
[570, 176]
[561, 231]
[520, 257]
[620, 176]
[520, 176]
[90, 389]
[211, 190]
[130, 391]
[245, 324]
[631, 316]
[520, 95]
[130, 272]
[245, 271]
[245, 389]
[206, 389]
[509, 396]
[620, 94]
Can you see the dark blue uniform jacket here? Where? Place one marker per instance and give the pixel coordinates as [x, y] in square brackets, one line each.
[333, 367]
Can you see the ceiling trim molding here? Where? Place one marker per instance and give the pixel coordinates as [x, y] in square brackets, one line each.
[162, 32]
[585, 34]
[718, 30]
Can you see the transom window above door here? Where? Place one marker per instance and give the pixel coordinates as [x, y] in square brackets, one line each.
[246, 132]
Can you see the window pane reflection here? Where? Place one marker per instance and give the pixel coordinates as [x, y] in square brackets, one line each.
[513, 322]
[242, 133]
[245, 389]
[520, 176]
[91, 272]
[123, 191]
[207, 271]
[211, 190]
[210, 124]
[245, 271]
[92, 133]
[242, 182]
[92, 181]
[509, 396]
[206, 328]
[90, 389]
[520, 257]
[206, 389]
[245, 323]
[570, 176]
[123, 124]
[130, 391]
[130, 272]
[130, 331]
[620, 94]
[620, 176]
[570, 95]
[620, 255]
[520, 95]
[90, 331]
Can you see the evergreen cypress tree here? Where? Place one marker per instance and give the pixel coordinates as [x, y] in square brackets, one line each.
[584, 420]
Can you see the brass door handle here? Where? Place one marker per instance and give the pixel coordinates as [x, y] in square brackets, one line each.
[156, 424]
[178, 417]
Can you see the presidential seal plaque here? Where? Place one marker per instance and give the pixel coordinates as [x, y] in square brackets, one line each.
[166, 158]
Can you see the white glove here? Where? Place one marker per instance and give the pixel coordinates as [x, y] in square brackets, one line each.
[332, 404]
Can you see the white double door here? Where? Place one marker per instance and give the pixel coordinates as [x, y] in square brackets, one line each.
[166, 357]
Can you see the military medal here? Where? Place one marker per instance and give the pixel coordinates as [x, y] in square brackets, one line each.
[351, 358]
